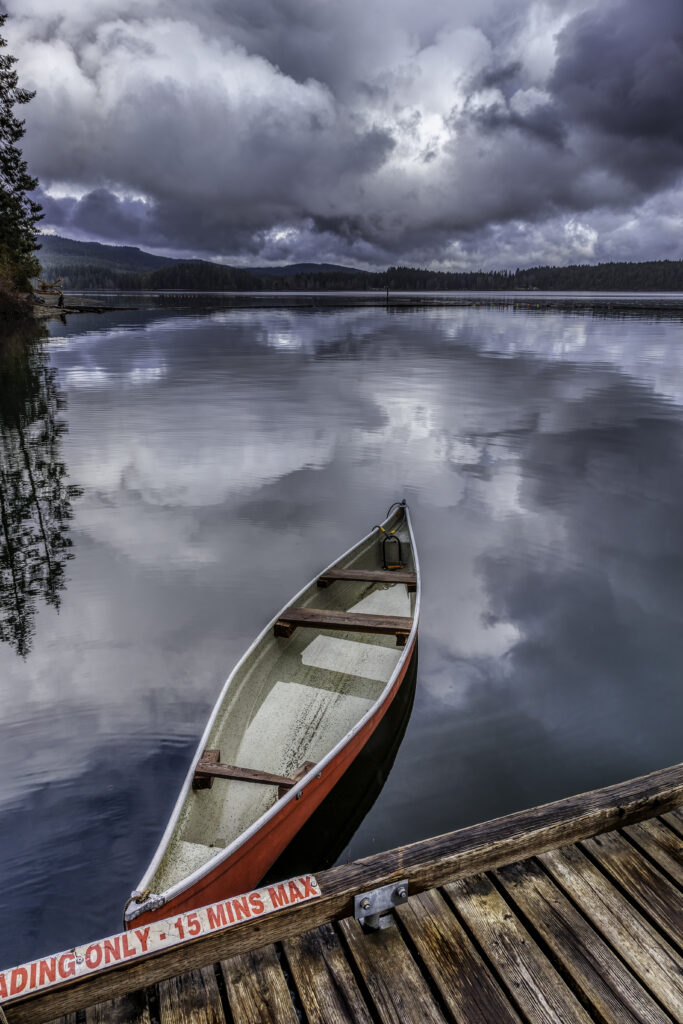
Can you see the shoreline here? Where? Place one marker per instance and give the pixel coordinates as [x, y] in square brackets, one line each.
[605, 304]
[49, 312]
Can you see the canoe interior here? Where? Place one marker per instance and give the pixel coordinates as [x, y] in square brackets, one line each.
[291, 701]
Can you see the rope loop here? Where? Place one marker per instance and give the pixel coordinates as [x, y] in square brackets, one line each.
[398, 504]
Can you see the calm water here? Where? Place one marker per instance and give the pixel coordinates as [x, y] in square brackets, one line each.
[193, 471]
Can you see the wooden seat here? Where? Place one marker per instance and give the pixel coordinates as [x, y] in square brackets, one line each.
[370, 576]
[210, 767]
[347, 622]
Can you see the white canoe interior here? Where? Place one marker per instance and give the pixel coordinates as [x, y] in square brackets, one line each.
[290, 701]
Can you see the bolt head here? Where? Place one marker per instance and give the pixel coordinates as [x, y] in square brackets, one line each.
[402, 892]
[365, 904]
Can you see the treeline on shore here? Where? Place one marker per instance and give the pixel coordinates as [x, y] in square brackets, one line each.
[19, 212]
[200, 275]
[656, 275]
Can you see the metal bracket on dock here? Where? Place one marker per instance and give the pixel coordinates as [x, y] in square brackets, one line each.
[372, 908]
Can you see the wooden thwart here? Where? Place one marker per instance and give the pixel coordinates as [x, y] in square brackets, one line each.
[210, 768]
[369, 576]
[347, 622]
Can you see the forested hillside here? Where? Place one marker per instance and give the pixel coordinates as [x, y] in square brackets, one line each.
[89, 265]
[92, 266]
[659, 275]
[56, 251]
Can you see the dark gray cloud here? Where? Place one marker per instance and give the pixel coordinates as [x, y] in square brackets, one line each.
[491, 133]
[619, 74]
[620, 70]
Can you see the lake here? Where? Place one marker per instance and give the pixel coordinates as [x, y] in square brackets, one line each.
[170, 477]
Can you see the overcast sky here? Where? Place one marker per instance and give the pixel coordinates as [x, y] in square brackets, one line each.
[452, 133]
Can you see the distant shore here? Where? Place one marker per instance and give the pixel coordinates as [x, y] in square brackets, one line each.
[605, 303]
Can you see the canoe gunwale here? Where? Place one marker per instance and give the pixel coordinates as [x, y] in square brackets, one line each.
[156, 900]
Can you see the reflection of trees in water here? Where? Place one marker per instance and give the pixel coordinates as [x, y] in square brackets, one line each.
[35, 498]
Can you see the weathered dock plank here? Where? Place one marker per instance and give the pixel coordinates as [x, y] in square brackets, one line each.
[324, 980]
[533, 983]
[465, 983]
[649, 889]
[130, 1009]
[661, 844]
[604, 983]
[674, 819]
[191, 998]
[648, 955]
[396, 987]
[257, 990]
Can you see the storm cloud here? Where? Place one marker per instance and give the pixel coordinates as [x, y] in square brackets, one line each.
[496, 133]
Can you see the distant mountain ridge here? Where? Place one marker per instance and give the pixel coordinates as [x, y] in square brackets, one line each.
[92, 265]
[77, 262]
[304, 268]
[58, 251]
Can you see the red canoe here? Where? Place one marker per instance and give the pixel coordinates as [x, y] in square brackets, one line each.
[293, 715]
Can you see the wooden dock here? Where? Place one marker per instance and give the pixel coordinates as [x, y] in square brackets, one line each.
[570, 912]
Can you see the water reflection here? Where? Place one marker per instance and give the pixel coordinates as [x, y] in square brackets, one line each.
[227, 457]
[35, 497]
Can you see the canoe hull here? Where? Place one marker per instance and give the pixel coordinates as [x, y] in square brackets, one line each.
[248, 864]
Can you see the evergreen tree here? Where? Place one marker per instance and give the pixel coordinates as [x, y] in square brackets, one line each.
[19, 213]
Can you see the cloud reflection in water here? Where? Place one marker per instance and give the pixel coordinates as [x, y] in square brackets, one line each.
[542, 458]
